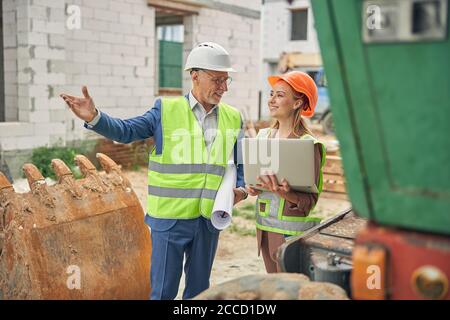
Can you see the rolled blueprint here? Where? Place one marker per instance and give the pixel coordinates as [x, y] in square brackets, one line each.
[223, 204]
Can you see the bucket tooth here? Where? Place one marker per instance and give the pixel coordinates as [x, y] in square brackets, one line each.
[66, 178]
[8, 203]
[33, 175]
[115, 175]
[107, 163]
[93, 181]
[61, 169]
[38, 185]
[86, 166]
[4, 182]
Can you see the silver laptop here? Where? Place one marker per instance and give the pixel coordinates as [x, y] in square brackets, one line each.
[292, 159]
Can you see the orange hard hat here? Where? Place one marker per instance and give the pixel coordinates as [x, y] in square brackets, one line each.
[300, 82]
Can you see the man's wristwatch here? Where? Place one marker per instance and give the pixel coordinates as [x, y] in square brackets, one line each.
[245, 193]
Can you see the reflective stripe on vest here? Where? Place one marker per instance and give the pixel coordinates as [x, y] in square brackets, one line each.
[184, 179]
[269, 209]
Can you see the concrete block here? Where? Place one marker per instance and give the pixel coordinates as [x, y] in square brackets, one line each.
[23, 25]
[11, 112]
[121, 28]
[98, 47]
[95, 24]
[59, 116]
[102, 4]
[38, 65]
[15, 129]
[120, 6]
[113, 59]
[24, 115]
[23, 54]
[127, 101]
[125, 49]
[73, 45]
[122, 70]
[48, 53]
[50, 78]
[85, 35]
[133, 82]
[110, 81]
[126, 18]
[48, 26]
[45, 129]
[141, 30]
[99, 69]
[36, 90]
[58, 15]
[10, 41]
[105, 102]
[134, 40]
[85, 57]
[110, 37]
[10, 69]
[11, 89]
[86, 12]
[106, 15]
[97, 91]
[39, 116]
[120, 92]
[24, 78]
[84, 79]
[134, 61]
[56, 103]
[74, 67]
[49, 3]
[57, 41]
[142, 91]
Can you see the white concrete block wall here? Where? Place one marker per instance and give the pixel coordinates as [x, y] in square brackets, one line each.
[240, 36]
[112, 55]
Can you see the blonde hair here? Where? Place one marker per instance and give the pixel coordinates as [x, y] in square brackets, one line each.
[299, 125]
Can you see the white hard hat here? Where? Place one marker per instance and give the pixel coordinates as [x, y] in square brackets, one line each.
[209, 56]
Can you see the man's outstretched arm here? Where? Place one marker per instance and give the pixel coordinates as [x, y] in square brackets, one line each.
[124, 131]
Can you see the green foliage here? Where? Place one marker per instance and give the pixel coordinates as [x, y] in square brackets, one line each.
[136, 167]
[246, 211]
[42, 158]
[234, 228]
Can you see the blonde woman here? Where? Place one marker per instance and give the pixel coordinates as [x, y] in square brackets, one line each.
[282, 212]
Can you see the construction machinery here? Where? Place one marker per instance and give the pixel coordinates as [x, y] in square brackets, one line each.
[389, 78]
[77, 239]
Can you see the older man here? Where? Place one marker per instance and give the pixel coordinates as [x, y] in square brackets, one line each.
[194, 137]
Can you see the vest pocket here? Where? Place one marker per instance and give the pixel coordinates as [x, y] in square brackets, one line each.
[263, 207]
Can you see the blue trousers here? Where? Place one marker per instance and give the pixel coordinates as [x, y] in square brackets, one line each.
[172, 240]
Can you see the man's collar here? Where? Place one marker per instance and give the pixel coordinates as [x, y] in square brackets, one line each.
[193, 102]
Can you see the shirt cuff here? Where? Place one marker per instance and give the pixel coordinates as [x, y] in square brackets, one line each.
[95, 120]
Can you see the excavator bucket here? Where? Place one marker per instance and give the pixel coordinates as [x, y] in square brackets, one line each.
[77, 239]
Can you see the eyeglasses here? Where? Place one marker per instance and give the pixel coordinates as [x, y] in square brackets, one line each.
[218, 81]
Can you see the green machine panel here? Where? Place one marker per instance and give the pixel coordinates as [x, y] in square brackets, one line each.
[388, 67]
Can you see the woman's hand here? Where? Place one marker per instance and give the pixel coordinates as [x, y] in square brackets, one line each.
[252, 191]
[270, 182]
